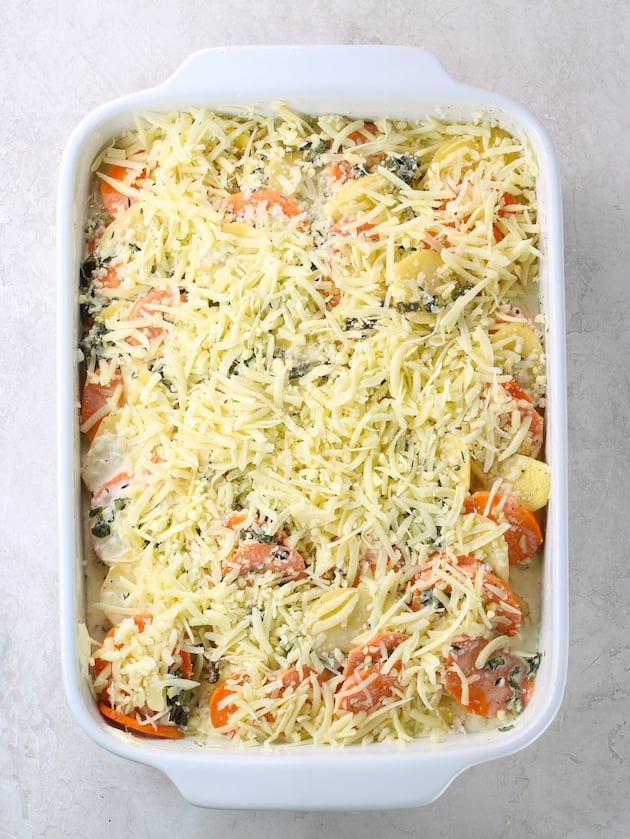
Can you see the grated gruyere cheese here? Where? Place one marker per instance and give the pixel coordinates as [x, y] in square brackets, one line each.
[279, 360]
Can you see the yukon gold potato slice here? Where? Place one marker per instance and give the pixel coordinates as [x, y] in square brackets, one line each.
[354, 196]
[526, 478]
[457, 459]
[479, 478]
[447, 710]
[337, 617]
[245, 238]
[423, 269]
[518, 337]
[467, 147]
[482, 538]
[495, 554]
[240, 140]
[236, 228]
[499, 137]
[283, 176]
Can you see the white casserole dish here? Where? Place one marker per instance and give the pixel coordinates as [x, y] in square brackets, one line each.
[377, 81]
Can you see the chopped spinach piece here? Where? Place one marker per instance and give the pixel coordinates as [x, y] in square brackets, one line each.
[240, 362]
[180, 704]
[255, 533]
[404, 167]
[300, 370]
[512, 679]
[101, 529]
[533, 664]
[459, 292]
[312, 149]
[515, 705]
[432, 306]
[403, 308]
[495, 662]
[212, 672]
[429, 598]
[93, 342]
[362, 324]
[280, 553]
[88, 267]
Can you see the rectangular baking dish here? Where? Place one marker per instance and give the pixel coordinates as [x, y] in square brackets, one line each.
[363, 81]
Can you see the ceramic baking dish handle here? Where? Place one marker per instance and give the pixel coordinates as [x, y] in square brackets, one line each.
[311, 72]
[311, 785]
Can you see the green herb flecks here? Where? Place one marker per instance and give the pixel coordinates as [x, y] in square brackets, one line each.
[405, 308]
[180, 705]
[513, 680]
[255, 533]
[101, 529]
[460, 291]
[533, 663]
[429, 598]
[515, 704]
[430, 306]
[302, 369]
[359, 324]
[313, 149]
[404, 167]
[211, 669]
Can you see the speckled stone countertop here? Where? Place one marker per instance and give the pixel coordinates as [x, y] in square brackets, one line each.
[568, 63]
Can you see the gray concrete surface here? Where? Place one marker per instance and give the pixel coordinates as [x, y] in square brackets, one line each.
[568, 62]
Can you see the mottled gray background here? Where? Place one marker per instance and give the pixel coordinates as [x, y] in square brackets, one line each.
[565, 61]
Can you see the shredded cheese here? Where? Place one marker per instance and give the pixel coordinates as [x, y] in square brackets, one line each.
[279, 361]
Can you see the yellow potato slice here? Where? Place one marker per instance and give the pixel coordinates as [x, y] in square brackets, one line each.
[495, 554]
[337, 617]
[468, 147]
[518, 337]
[499, 137]
[418, 269]
[479, 478]
[353, 196]
[246, 238]
[526, 478]
[240, 140]
[283, 175]
[115, 309]
[457, 456]
[481, 537]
